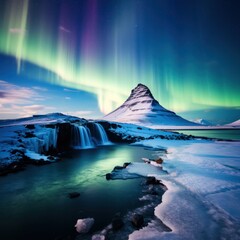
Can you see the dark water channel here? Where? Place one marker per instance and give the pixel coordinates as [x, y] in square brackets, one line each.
[34, 203]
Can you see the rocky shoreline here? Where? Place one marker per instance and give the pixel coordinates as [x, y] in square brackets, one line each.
[122, 225]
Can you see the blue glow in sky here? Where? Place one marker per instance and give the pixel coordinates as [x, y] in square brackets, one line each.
[84, 57]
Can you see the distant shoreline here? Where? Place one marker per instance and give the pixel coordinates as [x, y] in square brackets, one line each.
[188, 128]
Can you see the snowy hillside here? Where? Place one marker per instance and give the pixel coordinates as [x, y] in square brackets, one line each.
[141, 108]
[40, 119]
[234, 124]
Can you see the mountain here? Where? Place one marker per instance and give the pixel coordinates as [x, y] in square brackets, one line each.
[203, 122]
[234, 124]
[143, 109]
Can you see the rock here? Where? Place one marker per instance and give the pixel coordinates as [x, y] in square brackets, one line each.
[73, 194]
[98, 237]
[84, 225]
[30, 126]
[159, 161]
[152, 180]
[118, 168]
[108, 176]
[51, 158]
[137, 220]
[126, 164]
[117, 223]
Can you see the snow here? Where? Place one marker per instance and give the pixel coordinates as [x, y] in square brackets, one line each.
[84, 225]
[129, 129]
[141, 108]
[202, 200]
[234, 124]
[40, 120]
[35, 156]
[143, 169]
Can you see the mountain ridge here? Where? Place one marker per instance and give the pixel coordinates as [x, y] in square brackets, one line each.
[143, 109]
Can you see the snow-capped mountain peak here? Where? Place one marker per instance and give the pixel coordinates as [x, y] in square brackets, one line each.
[143, 109]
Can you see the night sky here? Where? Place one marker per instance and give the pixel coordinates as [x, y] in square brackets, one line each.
[83, 57]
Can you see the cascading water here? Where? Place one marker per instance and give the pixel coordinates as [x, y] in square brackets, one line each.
[102, 134]
[79, 137]
[83, 137]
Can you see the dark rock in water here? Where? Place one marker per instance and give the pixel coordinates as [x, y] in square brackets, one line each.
[51, 158]
[126, 164]
[73, 194]
[108, 176]
[118, 168]
[152, 180]
[137, 220]
[117, 223]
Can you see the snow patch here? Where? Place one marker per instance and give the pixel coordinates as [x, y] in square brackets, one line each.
[84, 225]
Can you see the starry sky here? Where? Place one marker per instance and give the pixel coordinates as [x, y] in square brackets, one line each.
[83, 57]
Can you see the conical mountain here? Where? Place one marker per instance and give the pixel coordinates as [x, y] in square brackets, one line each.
[143, 109]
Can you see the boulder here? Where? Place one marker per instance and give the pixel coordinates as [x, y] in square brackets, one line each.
[126, 164]
[108, 176]
[159, 161]
[118, 168]
[137, 220]
[152, 180]
[84, 225]
[98, 237]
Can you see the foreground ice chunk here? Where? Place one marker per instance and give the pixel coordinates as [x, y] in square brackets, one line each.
[84, 225]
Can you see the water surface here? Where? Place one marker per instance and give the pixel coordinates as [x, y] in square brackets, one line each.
[231, 134]
[34, 203]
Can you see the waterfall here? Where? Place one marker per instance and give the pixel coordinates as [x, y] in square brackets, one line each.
[88, 136]
[81, 137]
[103, 136]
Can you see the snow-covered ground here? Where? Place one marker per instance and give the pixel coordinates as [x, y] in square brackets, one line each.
[202, 200]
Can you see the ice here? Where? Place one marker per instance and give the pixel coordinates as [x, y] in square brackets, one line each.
[35, 156]
[84, 225]
[143, 169]
[202, 200]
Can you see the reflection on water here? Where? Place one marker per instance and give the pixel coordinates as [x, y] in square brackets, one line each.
[34, 203]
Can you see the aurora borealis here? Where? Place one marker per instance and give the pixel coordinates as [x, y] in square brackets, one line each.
[186, 51]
